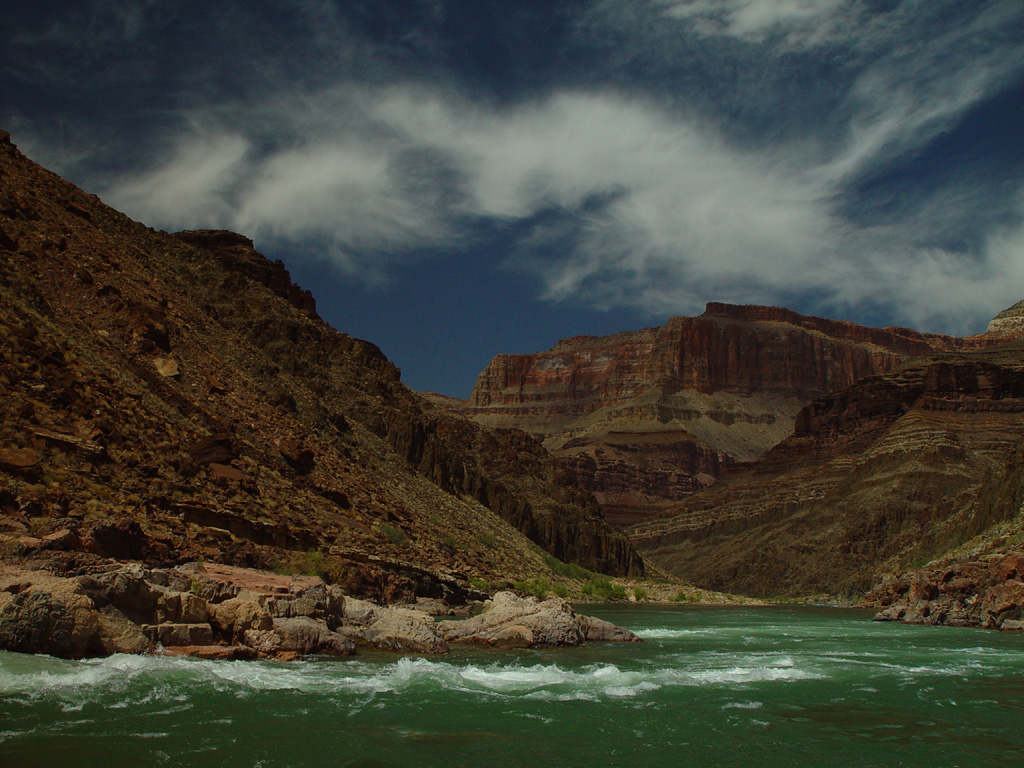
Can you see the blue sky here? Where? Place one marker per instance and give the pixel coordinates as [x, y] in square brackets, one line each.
[454, 180]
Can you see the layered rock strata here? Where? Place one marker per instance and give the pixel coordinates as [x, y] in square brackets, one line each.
[896, 470]
[645, 418]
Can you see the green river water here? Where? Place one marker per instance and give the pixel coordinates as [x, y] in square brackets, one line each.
[708, 687]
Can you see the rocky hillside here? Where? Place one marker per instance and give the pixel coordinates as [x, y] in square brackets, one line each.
[645, 418]
[172, 398]
[887, 475]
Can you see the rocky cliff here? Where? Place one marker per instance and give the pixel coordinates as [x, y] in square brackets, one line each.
[895, 471]
[646, 418]
[173, 398]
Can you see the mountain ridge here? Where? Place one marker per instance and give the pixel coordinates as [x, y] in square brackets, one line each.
[174, 397]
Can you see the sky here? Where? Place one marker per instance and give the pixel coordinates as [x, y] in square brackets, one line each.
[458, 179]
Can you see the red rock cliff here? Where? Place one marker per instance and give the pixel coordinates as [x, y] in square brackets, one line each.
[644, 418]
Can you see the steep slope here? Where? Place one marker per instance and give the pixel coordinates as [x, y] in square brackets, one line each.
[893, 472]
[646, 418]
[171, 398]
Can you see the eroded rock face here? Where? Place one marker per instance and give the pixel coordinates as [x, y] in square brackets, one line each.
[987, 592]
[897, 469]
[169, 398]
[1009, 323]
[648, 417]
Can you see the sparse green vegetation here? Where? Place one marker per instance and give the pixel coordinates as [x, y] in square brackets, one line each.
[569, 570]
[682, 596]
[639, 593]
[535, 586]
[600, 588]
[478, 583]
[12, 549]
[450, 542]
[487, 540]
[560, 590]
[311, 563]
[395, 534]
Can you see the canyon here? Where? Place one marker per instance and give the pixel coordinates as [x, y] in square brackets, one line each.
[897, 471]
[176, 398]
[645, 418]
[757, 451]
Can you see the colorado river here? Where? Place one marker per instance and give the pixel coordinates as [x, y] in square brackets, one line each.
[708, 687]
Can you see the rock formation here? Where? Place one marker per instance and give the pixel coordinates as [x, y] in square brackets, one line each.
[169, 399]
[893, 472]
[645, 418]
[223, 612]
[986, 591]
[1009, 323]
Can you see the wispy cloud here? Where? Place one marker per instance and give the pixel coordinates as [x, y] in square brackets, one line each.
[194, 182]
[803, 22]
[622, 189]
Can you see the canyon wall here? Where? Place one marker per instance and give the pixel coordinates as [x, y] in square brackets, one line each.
[893, 472]
[177, 398]
[645, 418]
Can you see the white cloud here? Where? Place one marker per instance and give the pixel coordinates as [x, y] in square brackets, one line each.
[650, 205]
[345, 194]
[192, 184]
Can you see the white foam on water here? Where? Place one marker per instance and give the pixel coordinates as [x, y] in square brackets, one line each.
[168, 683]
[743, 705]
[673, 634]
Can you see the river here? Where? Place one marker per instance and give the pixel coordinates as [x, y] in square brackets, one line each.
[709, 687]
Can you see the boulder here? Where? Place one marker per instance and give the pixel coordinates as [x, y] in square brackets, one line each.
[360, 613]
[236, 616]
[116, 633]
[405, 630]
[127, 589]
[318, 601]
[599, 630]
[297, 455]
[180, 607]
[167, 367]
[305, 635]
[429, 605]
[23, 461]
[512, 621]
[43, 614]
[170, 633]
[226, 472]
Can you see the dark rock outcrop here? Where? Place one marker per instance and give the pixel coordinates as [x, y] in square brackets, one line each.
[987, 592]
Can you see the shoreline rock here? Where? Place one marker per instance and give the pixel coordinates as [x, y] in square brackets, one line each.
[226, 612]
[987, 592]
